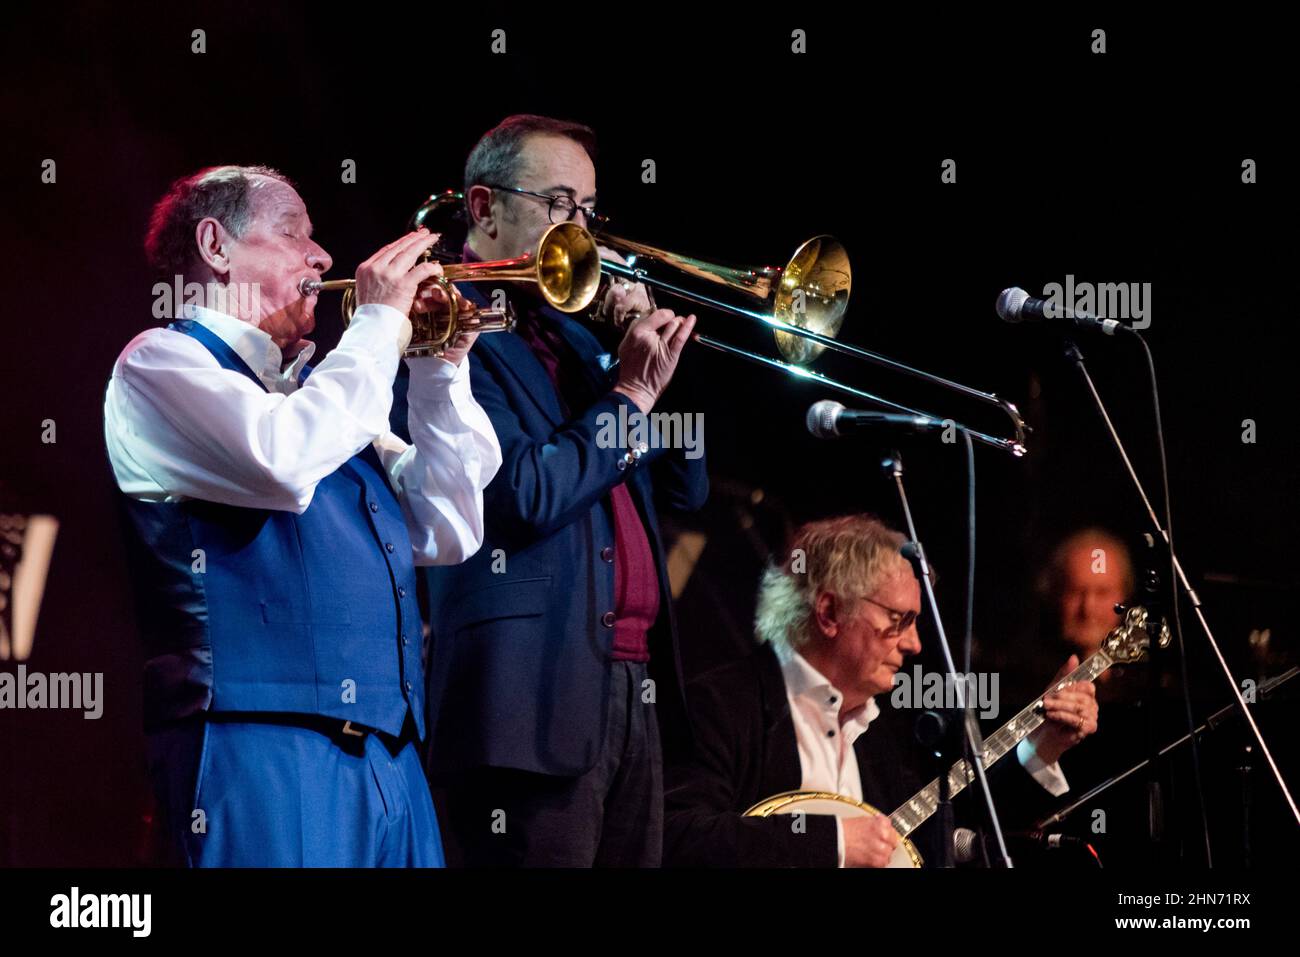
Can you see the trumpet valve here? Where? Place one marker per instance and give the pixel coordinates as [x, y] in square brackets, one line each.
[489, 320]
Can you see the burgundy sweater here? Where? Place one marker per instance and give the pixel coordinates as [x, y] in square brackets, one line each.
[636, 579]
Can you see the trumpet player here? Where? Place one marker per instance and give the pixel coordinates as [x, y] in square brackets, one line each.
[553, 658]
[277, 524]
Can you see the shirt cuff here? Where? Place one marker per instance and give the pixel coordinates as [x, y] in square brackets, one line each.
[1050, 776]
[432, 373]
[438, 369]
[839, 842]
[385, 320]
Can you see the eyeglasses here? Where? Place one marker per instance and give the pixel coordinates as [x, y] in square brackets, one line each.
[899, 621]
[562, 208]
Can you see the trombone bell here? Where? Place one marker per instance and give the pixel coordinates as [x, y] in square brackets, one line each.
[810, 293]
[804, 304]
[813, 294]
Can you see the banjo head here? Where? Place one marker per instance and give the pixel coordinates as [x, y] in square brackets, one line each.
[838, 805]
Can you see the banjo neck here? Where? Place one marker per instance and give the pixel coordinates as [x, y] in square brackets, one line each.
[922, 805]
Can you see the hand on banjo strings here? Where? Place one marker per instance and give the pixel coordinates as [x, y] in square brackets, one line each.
[868, 841]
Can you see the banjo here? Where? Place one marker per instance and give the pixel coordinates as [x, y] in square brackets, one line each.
[1125, 644]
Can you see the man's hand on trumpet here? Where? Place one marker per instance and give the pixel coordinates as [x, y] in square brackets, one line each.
[432, 297]
[393, 276]
[459, 348]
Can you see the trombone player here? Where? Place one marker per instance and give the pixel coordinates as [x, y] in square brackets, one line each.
[553, 663]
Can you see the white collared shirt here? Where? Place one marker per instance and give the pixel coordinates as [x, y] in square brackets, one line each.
[827, 760]
[179, 426]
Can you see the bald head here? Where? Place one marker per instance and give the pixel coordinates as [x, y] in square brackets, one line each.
[1089, 573]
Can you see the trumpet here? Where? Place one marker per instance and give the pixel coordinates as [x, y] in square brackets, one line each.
[803, 303]
[565, 266]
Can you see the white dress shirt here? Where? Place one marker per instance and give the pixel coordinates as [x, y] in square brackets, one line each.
[180, 426]
[827, 760]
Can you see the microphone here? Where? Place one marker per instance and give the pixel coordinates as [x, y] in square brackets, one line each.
[829, 419]
[965, 845]
[1049, 841]
[1016, 305]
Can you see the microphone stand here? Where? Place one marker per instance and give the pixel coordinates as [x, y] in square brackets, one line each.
[1151, 589]
[1211, 723]
[1074, 355]
[934, 733]
[893, 465]
[1245, 770]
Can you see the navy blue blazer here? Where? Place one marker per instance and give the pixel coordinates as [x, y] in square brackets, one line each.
[519, 661]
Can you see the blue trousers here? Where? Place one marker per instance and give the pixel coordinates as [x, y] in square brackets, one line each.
[249, 794]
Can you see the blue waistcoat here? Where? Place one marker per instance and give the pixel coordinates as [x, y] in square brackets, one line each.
[312, 614]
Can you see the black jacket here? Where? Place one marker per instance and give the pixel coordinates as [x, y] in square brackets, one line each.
[744, 750]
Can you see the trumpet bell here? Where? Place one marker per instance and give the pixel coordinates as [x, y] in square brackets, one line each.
[565, 267]
[812, 294]
[568, 267]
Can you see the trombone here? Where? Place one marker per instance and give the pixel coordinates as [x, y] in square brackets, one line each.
[803, 303]
[565, 266]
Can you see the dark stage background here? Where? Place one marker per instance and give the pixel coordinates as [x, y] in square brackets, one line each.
[1117, 168]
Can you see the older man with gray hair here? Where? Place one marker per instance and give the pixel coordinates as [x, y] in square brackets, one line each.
[277, 523]
[835, 621]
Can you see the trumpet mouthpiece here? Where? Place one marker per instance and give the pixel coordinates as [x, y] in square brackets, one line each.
[308, 286]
